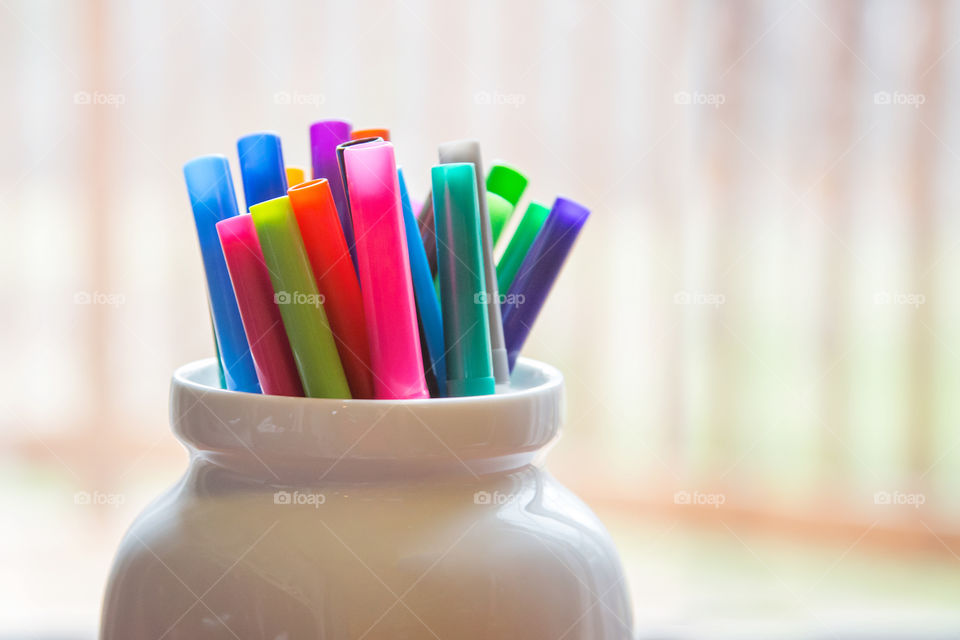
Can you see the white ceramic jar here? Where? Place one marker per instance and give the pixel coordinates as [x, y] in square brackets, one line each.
[305, 519]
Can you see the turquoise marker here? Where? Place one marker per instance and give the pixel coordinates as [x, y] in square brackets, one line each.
[463, 292]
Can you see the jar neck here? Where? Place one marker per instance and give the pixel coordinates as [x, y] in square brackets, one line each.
[282, 440]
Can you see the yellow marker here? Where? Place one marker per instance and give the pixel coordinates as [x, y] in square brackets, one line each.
[295, 176]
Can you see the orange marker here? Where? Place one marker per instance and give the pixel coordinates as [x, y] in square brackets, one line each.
[336, 279]
[371, 133]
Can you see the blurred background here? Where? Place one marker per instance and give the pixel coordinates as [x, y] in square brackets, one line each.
[759, 328]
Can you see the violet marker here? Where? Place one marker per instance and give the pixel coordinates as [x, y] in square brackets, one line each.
[538, 272]
[325, 137]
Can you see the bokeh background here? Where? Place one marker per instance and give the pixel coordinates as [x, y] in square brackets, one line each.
[760, 326]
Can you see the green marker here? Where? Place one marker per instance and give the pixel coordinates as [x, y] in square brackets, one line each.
[519, 244]
[500, 211]
[301, 305]
[509, 184]
[466, 329]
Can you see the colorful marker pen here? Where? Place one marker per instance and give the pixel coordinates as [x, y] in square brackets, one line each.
[384, 269]
[261, 167]
[539, 271]
[212, 198]
[276, 369]
[300, 302]
[336, 279]
[462, 289]
[469, 151]
[428, 306]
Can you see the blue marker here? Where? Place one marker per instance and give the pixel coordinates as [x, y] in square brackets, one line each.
[428, 307]
[261, 167]
[212, 198]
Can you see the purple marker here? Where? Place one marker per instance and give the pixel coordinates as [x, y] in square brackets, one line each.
[538, 272]
[325, 135]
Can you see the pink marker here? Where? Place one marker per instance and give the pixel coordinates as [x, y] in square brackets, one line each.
[272, 358]
[384, 269]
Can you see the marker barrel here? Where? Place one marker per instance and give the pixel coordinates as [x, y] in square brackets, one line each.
[469, 151]
[212, 198]
[539, 271]
[428, 306]
[300, 302]
[384, 268]
[462, 287]
[336, 279]
[523, 236]
[276, 369]
[500, 211]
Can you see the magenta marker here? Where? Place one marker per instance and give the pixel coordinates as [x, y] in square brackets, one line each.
[272, 357]
[384, 269]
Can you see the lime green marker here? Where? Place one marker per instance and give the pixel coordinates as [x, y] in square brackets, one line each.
[509, 184]
[301, 305]
[500, 211]
[466, 328]
[519, 244]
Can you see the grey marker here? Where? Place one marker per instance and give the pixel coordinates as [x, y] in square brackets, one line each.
[469, 151]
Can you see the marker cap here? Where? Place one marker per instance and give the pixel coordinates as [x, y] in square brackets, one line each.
[506, 182]
[261, 167]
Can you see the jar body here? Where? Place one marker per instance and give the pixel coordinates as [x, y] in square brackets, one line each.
[512, 555]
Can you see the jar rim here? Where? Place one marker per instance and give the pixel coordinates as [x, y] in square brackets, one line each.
[280, 437]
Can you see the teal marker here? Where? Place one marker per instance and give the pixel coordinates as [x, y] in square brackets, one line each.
[466, 329]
